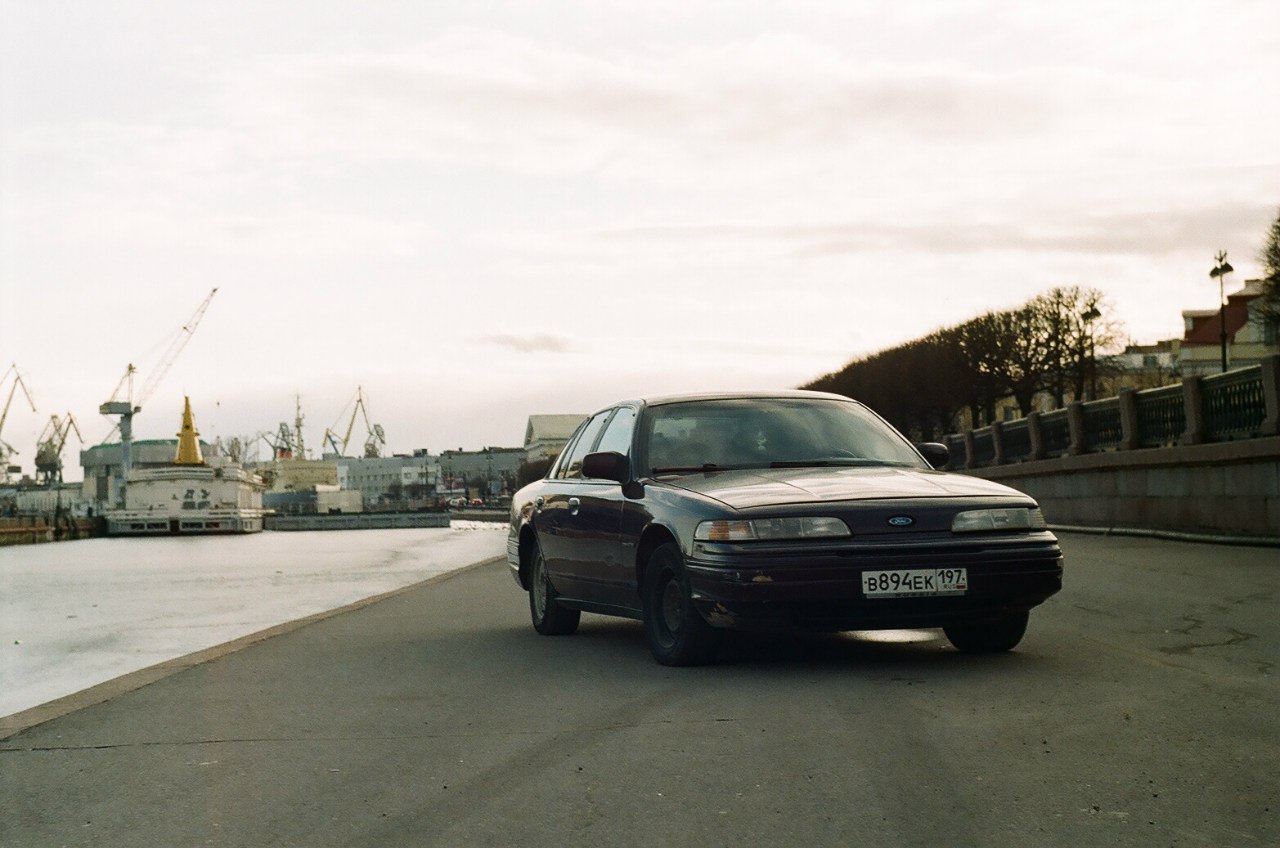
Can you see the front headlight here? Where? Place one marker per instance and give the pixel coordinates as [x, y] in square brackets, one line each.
[1014, 518]
[770, 529]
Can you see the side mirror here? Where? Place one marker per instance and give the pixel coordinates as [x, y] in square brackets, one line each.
[936, 454]
[606, 465]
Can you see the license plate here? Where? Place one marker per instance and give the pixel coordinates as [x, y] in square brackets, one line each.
[915, 582]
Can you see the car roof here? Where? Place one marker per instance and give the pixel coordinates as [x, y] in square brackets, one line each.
[659, 400]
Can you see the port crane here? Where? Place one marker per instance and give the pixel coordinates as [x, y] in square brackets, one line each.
[6, 450]
[376, 436]
[49, 448]
[282, 444]
[126, 404]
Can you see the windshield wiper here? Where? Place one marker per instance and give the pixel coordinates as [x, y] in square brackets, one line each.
[822, 463]
[687, 469]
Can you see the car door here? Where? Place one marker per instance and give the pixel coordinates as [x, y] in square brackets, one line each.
[557, 513]
[608, 575]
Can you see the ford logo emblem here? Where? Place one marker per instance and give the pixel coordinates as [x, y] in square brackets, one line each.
[902, 521]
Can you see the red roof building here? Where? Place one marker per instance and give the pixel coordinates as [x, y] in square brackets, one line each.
[1248, 337]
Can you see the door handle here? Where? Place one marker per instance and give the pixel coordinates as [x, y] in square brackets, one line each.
[574, 503]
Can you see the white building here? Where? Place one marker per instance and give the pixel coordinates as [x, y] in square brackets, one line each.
[394, 478]
[488, 472]
[546, 435]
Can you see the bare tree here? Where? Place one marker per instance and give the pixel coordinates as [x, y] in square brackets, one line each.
[1048, 344]
[1269, 302]
[919, 387]
[1079, 326]
[1009, 351]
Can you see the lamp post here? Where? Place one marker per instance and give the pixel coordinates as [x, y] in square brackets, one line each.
[1089, 316]
[1220, 271]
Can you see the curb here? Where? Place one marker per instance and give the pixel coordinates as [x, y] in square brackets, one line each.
[1171, 535]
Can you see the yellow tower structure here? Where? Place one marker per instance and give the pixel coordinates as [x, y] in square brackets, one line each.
[188, 443]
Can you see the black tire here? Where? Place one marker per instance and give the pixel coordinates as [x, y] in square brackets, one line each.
[550, 618]
[992, 635]
[676, 632]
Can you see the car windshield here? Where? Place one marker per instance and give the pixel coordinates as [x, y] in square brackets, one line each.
[735, 433]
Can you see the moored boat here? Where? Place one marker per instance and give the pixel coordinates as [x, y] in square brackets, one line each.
[191, 496]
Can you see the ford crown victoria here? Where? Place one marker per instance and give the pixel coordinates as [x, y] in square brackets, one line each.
[695, 514]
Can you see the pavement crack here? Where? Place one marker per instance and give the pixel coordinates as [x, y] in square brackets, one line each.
[1237, 637]
[1095, 611]
[1193, 623]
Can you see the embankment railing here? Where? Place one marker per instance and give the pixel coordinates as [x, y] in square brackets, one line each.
[1239, 404]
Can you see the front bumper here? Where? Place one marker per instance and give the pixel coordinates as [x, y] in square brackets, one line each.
[742, 585]
[513, 560]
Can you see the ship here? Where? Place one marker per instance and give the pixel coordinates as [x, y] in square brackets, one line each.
[190, 497]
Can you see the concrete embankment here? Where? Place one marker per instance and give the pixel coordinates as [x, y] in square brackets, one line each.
[358, 521]
[32, 529]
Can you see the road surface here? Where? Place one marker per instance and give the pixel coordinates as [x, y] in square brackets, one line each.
[1140, 710]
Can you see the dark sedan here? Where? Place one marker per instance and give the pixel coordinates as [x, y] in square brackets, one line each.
[792, 509]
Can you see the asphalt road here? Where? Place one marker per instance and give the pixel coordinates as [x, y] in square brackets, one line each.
[1140, 710]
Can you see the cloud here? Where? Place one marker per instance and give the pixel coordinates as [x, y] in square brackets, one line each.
[531, 343]
[484, 97]
[1149, 232]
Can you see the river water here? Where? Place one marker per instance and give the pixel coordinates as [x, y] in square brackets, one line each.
[75, 614]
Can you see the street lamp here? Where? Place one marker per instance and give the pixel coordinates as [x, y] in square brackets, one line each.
[1220, 271]
[1089, 316]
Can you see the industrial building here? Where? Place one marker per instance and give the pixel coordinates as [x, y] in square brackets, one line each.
[386, 479]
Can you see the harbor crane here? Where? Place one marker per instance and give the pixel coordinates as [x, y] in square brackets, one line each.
[376, 436]
[124, 403]
[49, 448]
[287, 443]
[374, 444]
[282, 444]
[6, 450]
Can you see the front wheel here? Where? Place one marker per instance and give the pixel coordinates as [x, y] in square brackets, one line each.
[677, 634]
[550, 618]
[992, 635]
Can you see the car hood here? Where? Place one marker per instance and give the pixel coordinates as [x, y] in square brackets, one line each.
[770, 487]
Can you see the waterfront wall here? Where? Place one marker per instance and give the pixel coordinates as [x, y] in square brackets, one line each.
[358, 521]
[1202, 456]
[33, 529]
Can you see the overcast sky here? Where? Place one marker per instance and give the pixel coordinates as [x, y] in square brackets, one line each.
[483, 210]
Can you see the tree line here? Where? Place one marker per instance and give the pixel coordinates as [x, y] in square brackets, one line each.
[1049, 344]
[1269, 257]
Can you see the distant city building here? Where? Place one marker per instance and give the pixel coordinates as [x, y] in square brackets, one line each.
[1139, 367]
[546, 435]
[1249, 337]
[382, 479]
[28, 499]
[321, 498]
[486, 473]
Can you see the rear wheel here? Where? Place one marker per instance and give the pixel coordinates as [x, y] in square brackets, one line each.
[550, 618]
[677, 634]
[990, 635]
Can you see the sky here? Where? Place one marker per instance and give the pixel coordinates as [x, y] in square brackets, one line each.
[479, 211]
